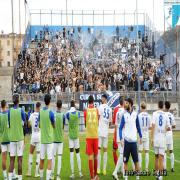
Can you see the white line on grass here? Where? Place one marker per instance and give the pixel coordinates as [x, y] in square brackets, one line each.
[169, 157]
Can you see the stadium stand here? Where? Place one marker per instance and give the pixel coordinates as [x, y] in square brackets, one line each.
[73, 60]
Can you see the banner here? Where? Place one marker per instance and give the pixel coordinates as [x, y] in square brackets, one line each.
[113, 99]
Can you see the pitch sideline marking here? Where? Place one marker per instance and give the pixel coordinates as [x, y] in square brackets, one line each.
[168, 157]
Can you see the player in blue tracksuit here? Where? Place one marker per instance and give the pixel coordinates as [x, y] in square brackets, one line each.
[128, 135]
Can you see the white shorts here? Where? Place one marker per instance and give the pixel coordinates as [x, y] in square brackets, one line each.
[5, 148]
[169, 142]
[36, 145]
[57, 148]
[103, 142]
[160, 141]
[120, 148]
[16, 148]
[169, 147]
[46, 148]
[74, 143]
[35, 138]
[159, 150]
[144, 146]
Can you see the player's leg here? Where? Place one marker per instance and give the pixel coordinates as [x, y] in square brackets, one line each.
[4, 151]
[95, 151]
[12, 159]
[89, 151]
[37, 159]
[156, 166]
[147, 160]
[20, 149]
[99, 154]
[42, 157]
[115, 147]
[140, 155]
[132, 164]
[119, 162]
[49, 157]
[146, 148]
[126, 154]
[53, 159]
[71, 148]
[30, 160]
[171, 156]
[165, 161]
[134, 154]
[59, 153]
[105, 146]
[161, 164]
[77, 148]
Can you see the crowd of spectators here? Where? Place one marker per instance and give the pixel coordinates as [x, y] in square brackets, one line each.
[70, 61]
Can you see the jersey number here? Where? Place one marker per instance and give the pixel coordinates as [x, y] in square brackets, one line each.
[36, 122]
[106, 113]
[92, 117]
[160, 120]
[170, 119]
[144, 120]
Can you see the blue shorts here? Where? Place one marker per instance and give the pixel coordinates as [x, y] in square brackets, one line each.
[130, 148]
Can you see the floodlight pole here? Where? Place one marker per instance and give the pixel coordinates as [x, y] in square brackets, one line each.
[66, 14]
[25, 16]
[20, 18]
[12, 12]
[137, 41]
[67, 62]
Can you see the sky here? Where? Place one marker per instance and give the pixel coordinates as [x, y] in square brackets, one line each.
[128, 5]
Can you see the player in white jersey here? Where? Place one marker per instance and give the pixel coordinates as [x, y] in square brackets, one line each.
[169, 136]
[105, 113]
[145, 125]
[120, 148]
[160, 124]
[35, 140]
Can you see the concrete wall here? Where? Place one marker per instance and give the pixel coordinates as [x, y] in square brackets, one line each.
[6, 83]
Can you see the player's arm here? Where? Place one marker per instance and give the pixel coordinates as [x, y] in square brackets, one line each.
[98, 115]
[64, 121]
[138, 128]
[121, 129]
[110, 117]
[150, 124]
[85, 114]
[114, 116]
[116, 122]
[23, 116]
[0, 126]
[173, 123]
[52, 118]
[9, 118]
[29, 121]
[152, 130]
[79, 116]
[168, 128]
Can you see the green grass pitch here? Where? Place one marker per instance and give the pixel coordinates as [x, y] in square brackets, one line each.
[65, 172]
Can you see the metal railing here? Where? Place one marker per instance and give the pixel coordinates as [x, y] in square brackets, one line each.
[147, 96]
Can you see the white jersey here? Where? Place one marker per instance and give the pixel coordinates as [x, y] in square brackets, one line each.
[118, 122]
[35, 127]
[169, 134]
[105, 113]
[161, 122]
[145, 124]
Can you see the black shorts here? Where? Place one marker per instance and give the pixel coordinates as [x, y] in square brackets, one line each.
[130, 148]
